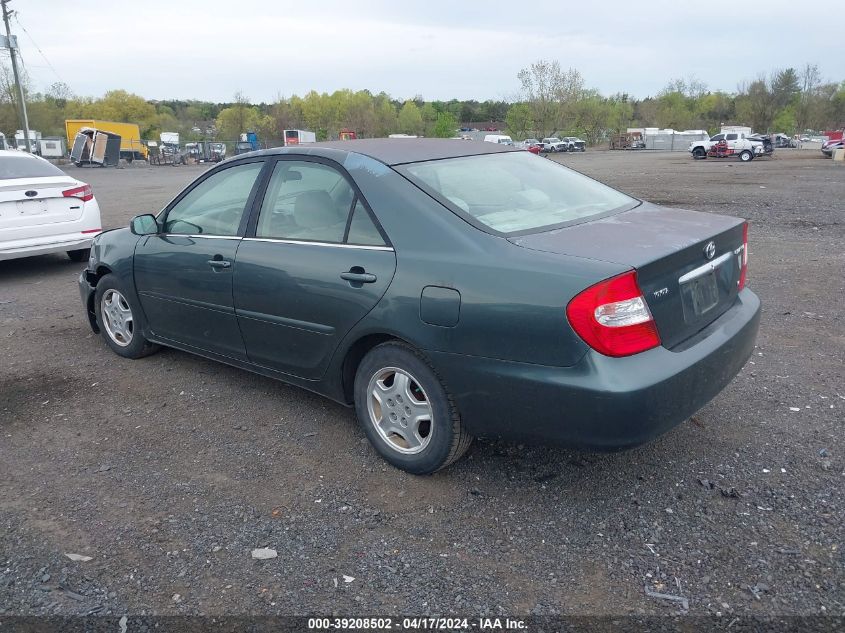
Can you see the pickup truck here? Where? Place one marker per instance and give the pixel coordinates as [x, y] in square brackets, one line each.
[553, 144]
[738, 144]
[575, 144]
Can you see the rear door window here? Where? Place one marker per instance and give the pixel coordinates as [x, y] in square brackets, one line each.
[362, 229]
[305, 201]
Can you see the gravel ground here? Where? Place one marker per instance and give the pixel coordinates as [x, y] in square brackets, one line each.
[168, 471]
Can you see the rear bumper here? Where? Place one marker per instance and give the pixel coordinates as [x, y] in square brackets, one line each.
[602, 403]
[43, 245]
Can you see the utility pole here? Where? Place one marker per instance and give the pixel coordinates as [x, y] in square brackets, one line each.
[12, 44]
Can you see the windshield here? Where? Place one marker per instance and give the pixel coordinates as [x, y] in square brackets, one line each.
[26, 166]
[515, 191]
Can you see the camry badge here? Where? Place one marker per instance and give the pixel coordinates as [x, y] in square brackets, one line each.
[710, 249]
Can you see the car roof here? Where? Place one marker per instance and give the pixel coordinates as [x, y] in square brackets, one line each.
[393, 151]
[16, 153]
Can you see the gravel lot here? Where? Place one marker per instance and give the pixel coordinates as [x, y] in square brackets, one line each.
[168, 471]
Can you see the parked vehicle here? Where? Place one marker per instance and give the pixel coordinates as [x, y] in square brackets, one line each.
[218, 151]
[299, 137]
[830, 146]
[443, 295]
[43, 210]
[574, 144]
[34, 138]
[766, 140]
[502, 139]
[131, 146]
[531, 144]
[553, 144]
[730, 144]
[248, 142]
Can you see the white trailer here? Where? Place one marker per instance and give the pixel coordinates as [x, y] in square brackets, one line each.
[52, 147]
[299, 137]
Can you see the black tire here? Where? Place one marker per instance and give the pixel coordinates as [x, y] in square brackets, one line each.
[746, 156]
[698, 153]
[80, 255]
[447, 440]
[138, 346]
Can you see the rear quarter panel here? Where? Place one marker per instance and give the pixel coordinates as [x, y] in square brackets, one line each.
[512, 300]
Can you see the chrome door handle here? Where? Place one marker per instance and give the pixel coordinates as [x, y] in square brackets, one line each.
[219, 263]
[361, 278]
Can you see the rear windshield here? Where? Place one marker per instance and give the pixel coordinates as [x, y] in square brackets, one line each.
[26, 167]
[515, 192]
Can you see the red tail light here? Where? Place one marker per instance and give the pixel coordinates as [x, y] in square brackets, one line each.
[613, 318]
[84, 193]
[743, 258]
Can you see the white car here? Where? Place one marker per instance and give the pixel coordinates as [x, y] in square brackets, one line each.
[43, 210]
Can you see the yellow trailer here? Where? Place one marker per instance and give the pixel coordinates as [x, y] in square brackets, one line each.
[131, 146]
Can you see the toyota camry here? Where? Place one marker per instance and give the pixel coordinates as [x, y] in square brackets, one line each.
[444, 289]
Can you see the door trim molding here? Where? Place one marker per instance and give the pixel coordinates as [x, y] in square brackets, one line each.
[274, 240]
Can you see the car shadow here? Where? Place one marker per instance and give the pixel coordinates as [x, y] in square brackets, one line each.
[30, 267]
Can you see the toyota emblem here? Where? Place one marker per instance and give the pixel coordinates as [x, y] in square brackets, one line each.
[710, 250]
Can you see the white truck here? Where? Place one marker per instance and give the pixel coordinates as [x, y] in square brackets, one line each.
[34, 138]
[733, 143]
[553, 144]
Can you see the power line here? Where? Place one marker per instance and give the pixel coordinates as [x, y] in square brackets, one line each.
[38, 48]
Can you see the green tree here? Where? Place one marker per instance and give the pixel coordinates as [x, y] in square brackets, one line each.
[445, 126]
[122, 106]
[519, 120]
[429, 117]
[410, 119]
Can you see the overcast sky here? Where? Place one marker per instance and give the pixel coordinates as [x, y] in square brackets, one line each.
[210, 49]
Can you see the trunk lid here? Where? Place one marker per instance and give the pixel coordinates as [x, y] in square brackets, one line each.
[684, 288]
[47, 205]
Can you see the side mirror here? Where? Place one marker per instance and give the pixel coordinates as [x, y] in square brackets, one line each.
[145, 224]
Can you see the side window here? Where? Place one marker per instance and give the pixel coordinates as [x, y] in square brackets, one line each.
[361, 228]
[305, 201]
[730, 137]
[216, 205]
[718, 137]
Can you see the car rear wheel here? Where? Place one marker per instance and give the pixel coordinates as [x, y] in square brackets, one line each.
[80, 255]
[745, 156]
[406, 412]
[119, 320]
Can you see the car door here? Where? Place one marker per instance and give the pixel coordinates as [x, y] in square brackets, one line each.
[314, 262]
[732, 140]
[184, 274]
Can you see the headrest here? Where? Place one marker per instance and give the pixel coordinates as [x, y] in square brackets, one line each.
[314, 209]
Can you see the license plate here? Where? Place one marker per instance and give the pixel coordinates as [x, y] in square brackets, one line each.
[31, 207]
[702, 293]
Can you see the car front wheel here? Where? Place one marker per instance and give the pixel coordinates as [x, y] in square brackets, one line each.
[406, 412]
[699, 153]
[119, 320]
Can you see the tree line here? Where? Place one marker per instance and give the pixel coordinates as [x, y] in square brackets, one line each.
[551, 101]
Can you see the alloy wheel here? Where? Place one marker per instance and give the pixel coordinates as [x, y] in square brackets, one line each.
[400, 410]
[117, 317]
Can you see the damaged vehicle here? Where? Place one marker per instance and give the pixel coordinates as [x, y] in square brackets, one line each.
[444, 290]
